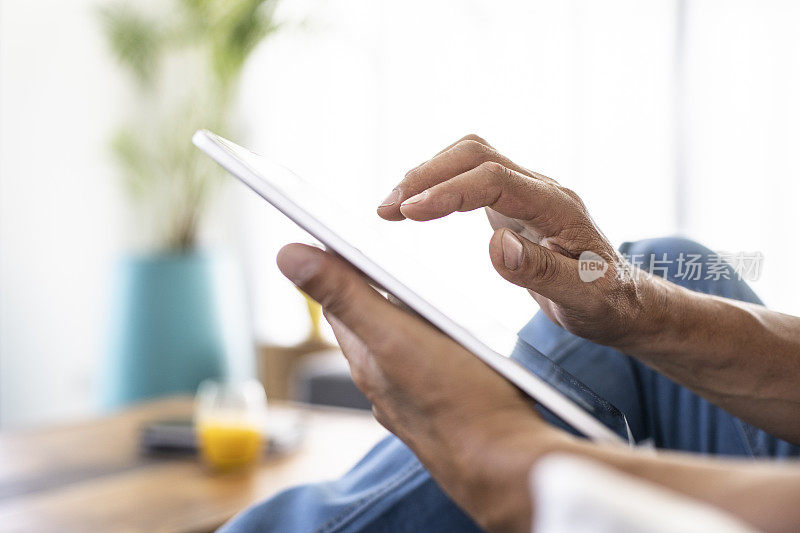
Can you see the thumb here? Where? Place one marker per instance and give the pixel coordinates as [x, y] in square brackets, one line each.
[341, 291]
[535, 267]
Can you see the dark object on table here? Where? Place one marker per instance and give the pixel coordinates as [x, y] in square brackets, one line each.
[324, 379]
[178, 437]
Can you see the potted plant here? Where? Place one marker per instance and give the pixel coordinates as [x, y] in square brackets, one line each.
[185, 58]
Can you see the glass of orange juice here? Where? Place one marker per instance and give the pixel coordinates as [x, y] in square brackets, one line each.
[230, 422]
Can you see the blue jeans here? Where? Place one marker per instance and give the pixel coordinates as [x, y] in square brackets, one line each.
[389, 490]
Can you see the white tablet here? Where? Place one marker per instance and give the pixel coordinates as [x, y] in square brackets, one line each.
[551, 387]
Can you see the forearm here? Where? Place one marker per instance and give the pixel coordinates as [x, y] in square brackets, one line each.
[762, 494]
[488, 477]
[742, 357]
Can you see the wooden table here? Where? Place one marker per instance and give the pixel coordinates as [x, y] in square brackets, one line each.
[92, 477]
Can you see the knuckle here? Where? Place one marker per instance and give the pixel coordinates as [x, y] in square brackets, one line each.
[494, 170]
[474, 137]
[543, 268]
[471, 147]
[413, 173]
[571, 195]
[579, 235]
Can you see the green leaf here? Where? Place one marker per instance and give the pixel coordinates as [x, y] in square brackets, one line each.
[135, 39]
[170, 181]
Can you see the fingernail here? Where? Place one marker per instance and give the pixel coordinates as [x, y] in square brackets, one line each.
[391, 199]
[512, 250]
[416, 198]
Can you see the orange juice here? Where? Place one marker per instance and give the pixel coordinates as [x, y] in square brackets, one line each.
[226, 444]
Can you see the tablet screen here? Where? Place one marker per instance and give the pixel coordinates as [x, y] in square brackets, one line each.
[349, 232]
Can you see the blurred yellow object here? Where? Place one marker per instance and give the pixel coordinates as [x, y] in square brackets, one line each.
[315, 314]
[229, 418]
[226, 444]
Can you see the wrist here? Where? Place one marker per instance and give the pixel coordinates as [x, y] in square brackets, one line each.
[494, 465]
[656, 316]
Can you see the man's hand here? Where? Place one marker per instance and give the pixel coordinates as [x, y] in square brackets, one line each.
[473, 430]
[741, 357]
[541, 230]
[476, 434]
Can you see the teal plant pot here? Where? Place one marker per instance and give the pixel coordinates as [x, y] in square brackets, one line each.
[175, 322]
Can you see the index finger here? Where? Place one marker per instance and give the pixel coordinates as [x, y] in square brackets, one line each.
[545, 205]
[464, 155]
[389, 208]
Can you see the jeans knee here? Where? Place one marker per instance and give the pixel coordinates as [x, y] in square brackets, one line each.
[658, 247]
[690, 264]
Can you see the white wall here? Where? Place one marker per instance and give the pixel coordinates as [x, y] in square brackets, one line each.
[743, 110]
[599, 95]
[580, 90]
[59, 208]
